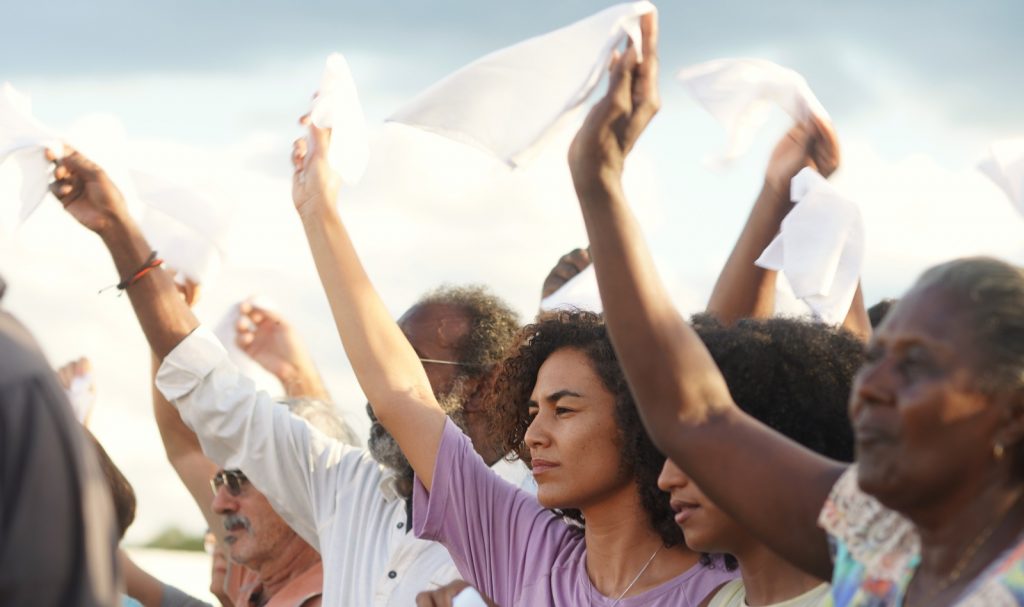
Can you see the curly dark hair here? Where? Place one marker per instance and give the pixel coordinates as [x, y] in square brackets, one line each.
[793, 375]
[493, 324]
[516, 376]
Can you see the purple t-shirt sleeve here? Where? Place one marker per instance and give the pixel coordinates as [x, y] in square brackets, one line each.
[500, 538]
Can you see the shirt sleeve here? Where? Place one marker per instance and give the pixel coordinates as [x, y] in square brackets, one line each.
[299, 469]
[498, 535]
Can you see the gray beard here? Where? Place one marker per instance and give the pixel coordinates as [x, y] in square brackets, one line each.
[383, 446]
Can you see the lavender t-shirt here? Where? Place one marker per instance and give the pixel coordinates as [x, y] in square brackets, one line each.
[516, 551]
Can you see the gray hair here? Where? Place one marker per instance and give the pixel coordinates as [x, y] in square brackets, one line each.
[992, 295]
[324, 417]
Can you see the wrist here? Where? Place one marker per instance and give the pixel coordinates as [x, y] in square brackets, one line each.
[317, 208]
[599, 185]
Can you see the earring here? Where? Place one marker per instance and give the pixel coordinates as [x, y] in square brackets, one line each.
[998, 451]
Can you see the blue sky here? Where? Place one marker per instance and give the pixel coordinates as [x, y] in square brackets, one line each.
[917, 90]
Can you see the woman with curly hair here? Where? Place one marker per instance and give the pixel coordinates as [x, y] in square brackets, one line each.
[794, 376]
[932, 512]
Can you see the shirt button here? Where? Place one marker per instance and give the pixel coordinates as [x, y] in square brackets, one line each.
[401, 525]
[392, 574]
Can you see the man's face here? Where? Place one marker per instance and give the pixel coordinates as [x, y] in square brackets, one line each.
[254, 531]
[434, 331]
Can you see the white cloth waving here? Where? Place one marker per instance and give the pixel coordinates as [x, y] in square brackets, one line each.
[1005, 167]
[820, 248]
[741, 93]
[22, 141]
[337, 107]
[508, 102]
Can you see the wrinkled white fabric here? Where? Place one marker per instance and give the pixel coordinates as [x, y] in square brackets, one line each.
[740, 94]
[820, 248]
[580, 292]
[337, 107]
[509, 102]
[27, 173]
[186, 227]
[1005, 167]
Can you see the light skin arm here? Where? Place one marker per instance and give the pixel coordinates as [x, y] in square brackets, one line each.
[388, 369]
[744, 290]
[273, 343]
[682, 397]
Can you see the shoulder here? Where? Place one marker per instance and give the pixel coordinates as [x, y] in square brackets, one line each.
[867, 537]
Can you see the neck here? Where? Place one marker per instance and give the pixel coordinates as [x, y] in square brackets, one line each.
[962, 535]
[619, 543]
[288, 562]
[768, 578]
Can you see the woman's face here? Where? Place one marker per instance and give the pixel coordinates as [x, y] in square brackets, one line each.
[924, 432]
[705, 527]
[573, 436]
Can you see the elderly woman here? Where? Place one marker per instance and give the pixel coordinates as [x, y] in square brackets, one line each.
[931, 512]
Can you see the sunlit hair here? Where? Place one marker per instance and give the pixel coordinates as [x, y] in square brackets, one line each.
[516, 376]
[323, 416]
[990, 293]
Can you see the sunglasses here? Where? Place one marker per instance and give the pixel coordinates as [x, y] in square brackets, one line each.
[234, 480]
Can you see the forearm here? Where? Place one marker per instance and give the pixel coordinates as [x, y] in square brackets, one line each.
[387, 367]
[857, 320]
[303, 382]
[670, 371]
[744, 290]
[164, 317]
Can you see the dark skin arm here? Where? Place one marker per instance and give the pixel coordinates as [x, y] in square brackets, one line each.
[769, 484]
[743, 289]
[93, 200]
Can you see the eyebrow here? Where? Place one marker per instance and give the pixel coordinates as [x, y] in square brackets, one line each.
[554, 397]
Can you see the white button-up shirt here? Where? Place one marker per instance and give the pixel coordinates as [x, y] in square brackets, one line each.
[335, 496]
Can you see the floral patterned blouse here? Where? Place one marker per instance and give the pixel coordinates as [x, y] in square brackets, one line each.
[876, 551]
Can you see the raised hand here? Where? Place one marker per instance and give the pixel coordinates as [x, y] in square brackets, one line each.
[812, 143]
[613, 125]
[273, 343]
[568, 266]
[314, 184]
[77, 380]
[446, 596]
[85, 191]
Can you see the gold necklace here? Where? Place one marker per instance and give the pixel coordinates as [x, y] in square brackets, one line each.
[965, 559]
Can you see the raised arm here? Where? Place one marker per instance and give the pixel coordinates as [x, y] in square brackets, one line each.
[771, 485]
[272, 342]
[91, 198]
[387, 367]
[744, 290]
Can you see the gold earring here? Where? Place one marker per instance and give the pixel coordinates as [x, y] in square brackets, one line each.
[998, 451]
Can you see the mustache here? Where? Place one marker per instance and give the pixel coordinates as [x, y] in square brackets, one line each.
[232, 521]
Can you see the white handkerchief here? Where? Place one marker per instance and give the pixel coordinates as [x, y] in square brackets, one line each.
[508, 102]
[82, 396]
[820, 248]
[22, 140]
[226, 332]
[337, 107]
[579, 292]
[740, 94]
[469, 598]
[187, 228]
[1005, 166]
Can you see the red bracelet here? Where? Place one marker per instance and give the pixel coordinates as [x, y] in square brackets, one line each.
[151, 263]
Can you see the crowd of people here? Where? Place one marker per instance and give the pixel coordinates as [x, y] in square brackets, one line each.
[629, 457]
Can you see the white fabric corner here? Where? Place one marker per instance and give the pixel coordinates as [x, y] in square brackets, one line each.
[337, 107]
[1005, 167]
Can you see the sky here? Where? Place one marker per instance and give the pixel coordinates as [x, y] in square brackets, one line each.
[209, 92]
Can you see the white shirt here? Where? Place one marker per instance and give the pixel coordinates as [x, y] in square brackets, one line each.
[335, 496]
